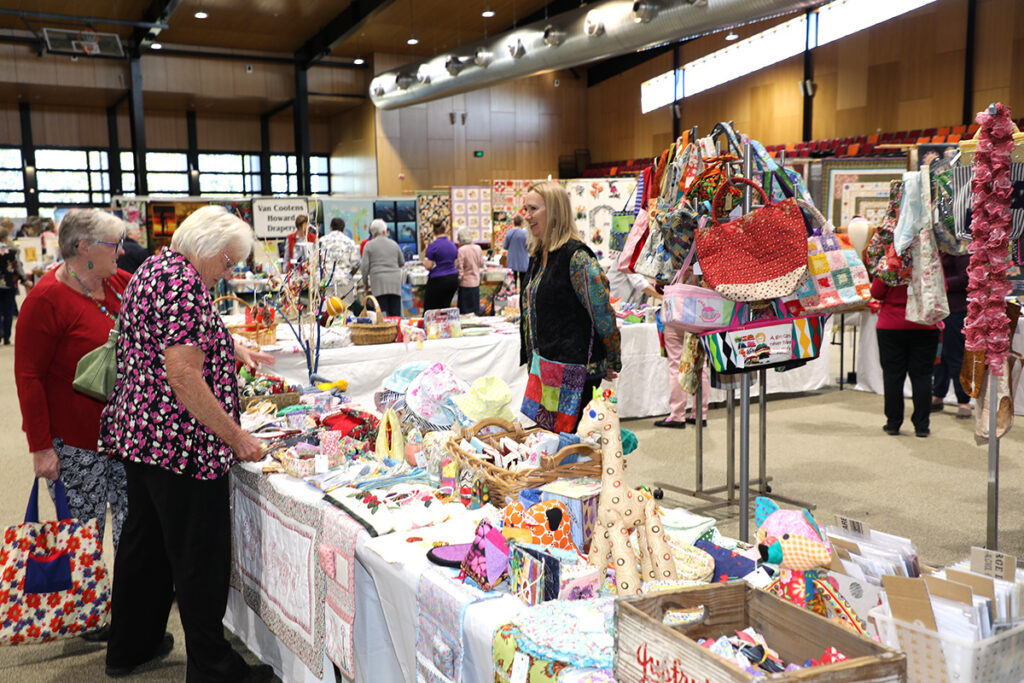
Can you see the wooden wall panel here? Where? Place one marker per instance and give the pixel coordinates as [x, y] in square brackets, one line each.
[69, 127]
[228, 133]
[617, 128]
[10, 125]
[354, 156]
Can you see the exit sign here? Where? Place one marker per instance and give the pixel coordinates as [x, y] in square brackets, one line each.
[478, 153]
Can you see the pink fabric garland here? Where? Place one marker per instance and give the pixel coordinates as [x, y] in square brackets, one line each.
[987, 328]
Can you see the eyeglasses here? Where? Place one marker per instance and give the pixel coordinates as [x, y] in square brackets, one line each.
[229, 263]
[118, 245]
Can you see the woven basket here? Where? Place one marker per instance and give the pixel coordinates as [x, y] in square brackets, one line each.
[256, 332]
[503, 483]
[288, 398]
[380, 332]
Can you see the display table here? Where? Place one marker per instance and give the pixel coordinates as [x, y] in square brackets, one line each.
[869, 369]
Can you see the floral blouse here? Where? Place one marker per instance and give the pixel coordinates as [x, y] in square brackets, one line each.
[166, 304]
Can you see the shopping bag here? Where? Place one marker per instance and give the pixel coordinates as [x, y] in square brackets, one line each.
[634, 242]
[53, 583]
[927, 303]
[759, 256]
[763, 344]
[698, 309]
[838, 280]
[883, 262]
[785, 182]
[655, 260]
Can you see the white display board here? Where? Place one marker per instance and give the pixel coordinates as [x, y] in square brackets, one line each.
[274, 217]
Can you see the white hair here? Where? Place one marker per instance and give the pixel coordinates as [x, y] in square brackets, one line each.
[465, 237]
[210, 230]
[92, 225]
[378, 227]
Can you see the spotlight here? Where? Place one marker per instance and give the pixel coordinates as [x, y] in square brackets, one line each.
[406, 81]
[643, 12]
[359, 61]
[378, 91]
[552, 36]
[732, 36]
[156, 46]
[483, 58]
[200, 14]
[487, 14]
[454, 65]
[516, 49]
[593, 26]
[412, 41]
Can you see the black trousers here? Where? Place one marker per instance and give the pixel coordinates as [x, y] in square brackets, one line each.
[8, 309]
[469, 300]
[440, 291]
[588, 395]
[176, 540]
[948, 369]
[902, 353]
[390, 304]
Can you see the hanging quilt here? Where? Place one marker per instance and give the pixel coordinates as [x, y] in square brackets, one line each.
[471, 210]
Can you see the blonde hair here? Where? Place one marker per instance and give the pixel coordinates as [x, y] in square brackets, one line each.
[561, 227]
[210, 230]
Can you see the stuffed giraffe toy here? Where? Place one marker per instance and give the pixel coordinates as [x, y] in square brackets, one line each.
[621, 510]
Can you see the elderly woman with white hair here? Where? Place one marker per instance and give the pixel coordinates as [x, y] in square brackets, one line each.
[382, 268]
[172, 419]
[68, 314]
[469, 262]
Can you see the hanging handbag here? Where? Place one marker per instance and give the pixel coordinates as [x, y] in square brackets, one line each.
[963, 179]
[764, 344]
[943, 223]
[698, 309]
[882, 261]
[838, 280]
[655, 260]
[96, 372]
[553, 393]
[622, 224]
[783, 182]
[926, 293]
[761, 255]
[54, 583]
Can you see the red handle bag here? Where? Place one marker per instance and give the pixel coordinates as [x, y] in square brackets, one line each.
[760, 255]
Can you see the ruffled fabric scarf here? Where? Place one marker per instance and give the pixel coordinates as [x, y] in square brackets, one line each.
[987, 328]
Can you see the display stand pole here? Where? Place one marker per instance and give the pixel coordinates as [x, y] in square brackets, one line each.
[699, 459]
[992, 535]
[842, 350]
[762, 428]
[748, 163]
[730, 443]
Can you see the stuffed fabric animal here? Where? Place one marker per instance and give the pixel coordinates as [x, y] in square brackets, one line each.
[549, 523]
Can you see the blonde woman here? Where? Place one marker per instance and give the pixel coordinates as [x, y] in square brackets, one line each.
[567, 317]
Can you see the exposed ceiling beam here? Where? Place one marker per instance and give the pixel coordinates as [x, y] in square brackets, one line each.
[338, 30]
[158, 13]
[85, 20]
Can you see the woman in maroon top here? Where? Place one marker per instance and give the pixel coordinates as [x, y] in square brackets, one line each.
[69, 313]
[904, 348]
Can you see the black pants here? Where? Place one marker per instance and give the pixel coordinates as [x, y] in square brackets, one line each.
[948, 369]
[469, 300]
[520, 279]
[902, 353]
[440, 291]
[390, 304]
[588, 395]
[8, 309]
[176, 540]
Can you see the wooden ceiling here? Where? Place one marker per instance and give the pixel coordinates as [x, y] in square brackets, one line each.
[283, 26]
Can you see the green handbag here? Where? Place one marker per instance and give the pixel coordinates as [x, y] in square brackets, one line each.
[97, 370]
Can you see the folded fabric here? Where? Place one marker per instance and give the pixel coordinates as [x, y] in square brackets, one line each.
[728, 563]
[579, 632]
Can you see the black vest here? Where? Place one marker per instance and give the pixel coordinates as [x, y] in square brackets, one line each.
[563, 329]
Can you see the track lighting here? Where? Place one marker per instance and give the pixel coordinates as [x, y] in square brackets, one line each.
[454, 65]
[552, 36]
[516, 49]
[643, 11]
[483, 58]
[406, 80]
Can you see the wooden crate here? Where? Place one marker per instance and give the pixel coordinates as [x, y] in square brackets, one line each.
[648, 651]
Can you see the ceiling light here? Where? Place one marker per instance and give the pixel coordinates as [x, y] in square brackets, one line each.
[487, 13]
[482, 58]
[593, 25]
[406, 80]
[412, 41]
[200, 14]
[156, 46]
[359, 61]
[732, 35]
[454, 65]
[516, 49]
[643, 12]
[552, 36]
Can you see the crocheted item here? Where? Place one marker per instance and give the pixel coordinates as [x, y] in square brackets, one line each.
[579, 632]
[987, 327]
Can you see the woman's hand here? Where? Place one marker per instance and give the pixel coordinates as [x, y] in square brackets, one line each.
[611, 375]
[247, 448]
[428, 264]
[46, 464]
[252, 358]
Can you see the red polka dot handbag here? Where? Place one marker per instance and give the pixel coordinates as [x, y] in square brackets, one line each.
[760, 255]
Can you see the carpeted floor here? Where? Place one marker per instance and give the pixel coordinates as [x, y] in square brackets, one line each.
[826, 448]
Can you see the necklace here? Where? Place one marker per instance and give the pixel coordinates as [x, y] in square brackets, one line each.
[88, 293]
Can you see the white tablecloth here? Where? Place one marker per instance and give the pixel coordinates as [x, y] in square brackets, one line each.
[869, 370]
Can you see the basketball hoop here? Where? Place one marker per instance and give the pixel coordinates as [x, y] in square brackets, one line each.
[88, 42]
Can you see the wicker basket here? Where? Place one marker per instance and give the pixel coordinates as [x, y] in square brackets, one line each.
[252, 331]
[502, 482]
[288, 398]
[380, 332]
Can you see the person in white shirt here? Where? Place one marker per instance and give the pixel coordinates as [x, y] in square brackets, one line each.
[339, 258]
[630, 288]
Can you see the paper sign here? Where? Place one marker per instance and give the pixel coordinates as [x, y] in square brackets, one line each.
[854, 525]
[909, 601]
[274, 217]
[520, 668]
[991, 563]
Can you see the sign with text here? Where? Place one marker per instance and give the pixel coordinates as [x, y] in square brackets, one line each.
[274, 217]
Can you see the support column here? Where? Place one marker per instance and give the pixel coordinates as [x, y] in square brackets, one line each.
[113, 152]
[807, 88]
[138, 124]
[300, 114]
[192, 154]
[265, 154]
[28, 160]
[676, 113]
[968, 115]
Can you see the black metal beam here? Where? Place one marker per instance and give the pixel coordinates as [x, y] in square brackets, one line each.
[137, 117]
[28, 160]
[158, 13]
[968, 115]
[113, 151]
[192, 154]
[265, 153]
[84, 20]
[808, 88]
[251, 57]
[676, 108]
[338, 30]
[602, 71]
[300, 119]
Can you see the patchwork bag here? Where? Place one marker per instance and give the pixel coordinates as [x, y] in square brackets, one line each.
[759, 256]
[486, 562]
[622, 224]
[838, 280]
[764, 344]
[553, 393]
[882, 260]
[698, 309]
[654, 260]
[54, 583]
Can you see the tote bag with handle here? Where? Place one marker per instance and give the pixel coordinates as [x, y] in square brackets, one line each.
[698, 309]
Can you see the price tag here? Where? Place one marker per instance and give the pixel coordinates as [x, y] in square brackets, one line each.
[320, 463]
[520, 668]
[854, 525]
[991, 563]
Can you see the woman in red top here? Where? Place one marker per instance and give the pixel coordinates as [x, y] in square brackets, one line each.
[904, 348]
[69, 313]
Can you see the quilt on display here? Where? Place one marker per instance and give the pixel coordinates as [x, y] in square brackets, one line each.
[431, 206]
[594, 203]
[507, 198]
[338, 558]
[274, 547]
[471, 210]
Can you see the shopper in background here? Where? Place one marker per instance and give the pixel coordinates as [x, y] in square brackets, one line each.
[11, 273]
[439, 259]
[469, 262]
[518, 260]
[134, 253]
[172, 420]
[67, 314]
[948, 368]
[629, 288]
[567, 316]
[382, 268]
[339, 261]
[904, 348]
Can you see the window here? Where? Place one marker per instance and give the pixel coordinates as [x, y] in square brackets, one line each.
[72, 176]
[661, 90]
[229, 174]
[841, 18]
[319, 175]
[283, 174]
[167, 173]
[12, 180]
